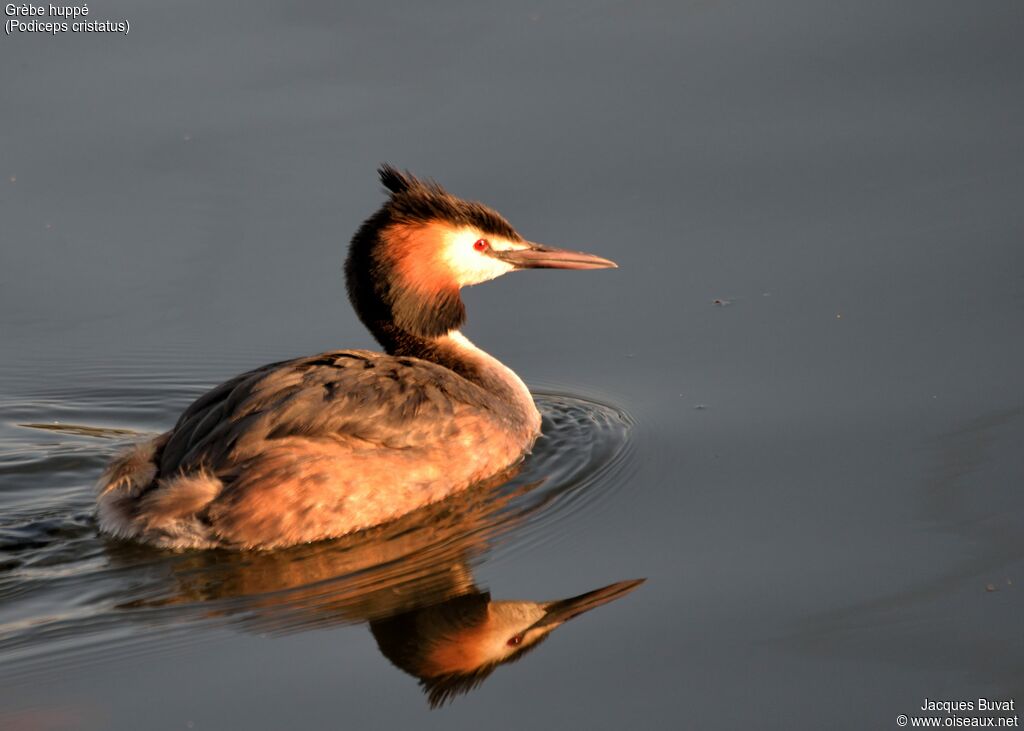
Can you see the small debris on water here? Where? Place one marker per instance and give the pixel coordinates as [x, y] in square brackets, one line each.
[700, 407]
[991, 587]
[839, 315]
[83, 430]
[721, 302]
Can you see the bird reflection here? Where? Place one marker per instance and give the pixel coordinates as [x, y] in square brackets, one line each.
[411, 581]
[454, 645]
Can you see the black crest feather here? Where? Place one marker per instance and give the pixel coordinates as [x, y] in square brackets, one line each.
[415, 200]
[395, 180]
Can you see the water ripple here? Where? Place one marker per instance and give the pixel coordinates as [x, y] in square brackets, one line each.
[62, 586]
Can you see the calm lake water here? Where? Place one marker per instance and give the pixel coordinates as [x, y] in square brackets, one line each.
[797, 409]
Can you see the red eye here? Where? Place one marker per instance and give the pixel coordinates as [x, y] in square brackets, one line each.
[518, 639]
[482, 245]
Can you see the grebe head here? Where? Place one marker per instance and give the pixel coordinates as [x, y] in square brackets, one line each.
[454, 646]
[408, 261]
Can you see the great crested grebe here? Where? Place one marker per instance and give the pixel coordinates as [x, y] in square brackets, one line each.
[321, 446]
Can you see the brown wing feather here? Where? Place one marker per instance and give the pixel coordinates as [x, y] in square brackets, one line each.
[361, 396]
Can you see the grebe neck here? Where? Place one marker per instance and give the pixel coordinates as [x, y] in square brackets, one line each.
[456, 352]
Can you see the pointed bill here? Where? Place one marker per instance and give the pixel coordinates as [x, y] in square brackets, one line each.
[538, 256]
[563, 610]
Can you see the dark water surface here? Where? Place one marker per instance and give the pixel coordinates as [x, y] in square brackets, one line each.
[797, 408]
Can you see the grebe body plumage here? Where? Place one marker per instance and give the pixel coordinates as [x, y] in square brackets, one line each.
[322, 446]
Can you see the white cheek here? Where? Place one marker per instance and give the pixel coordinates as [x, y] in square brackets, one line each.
[471, 266]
